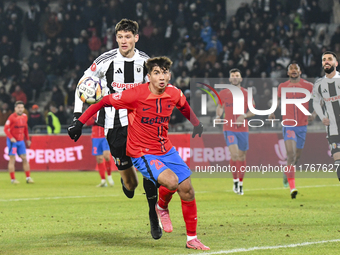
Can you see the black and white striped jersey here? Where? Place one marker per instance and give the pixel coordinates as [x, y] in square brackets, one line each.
[117, 73]
[326, 102]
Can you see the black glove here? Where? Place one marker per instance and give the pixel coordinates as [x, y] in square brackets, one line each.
[197, 130]
[76, 116]
[74, 130]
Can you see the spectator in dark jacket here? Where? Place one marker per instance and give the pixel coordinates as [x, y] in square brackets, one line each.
[35, 117]
[57, 96]
[37, 79]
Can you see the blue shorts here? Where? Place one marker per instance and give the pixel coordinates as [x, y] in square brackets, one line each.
[151, 166]
[298, 134]
[16, 148]
[99, 145]
[239, 138]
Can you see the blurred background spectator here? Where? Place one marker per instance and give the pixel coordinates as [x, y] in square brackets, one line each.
[45, 46]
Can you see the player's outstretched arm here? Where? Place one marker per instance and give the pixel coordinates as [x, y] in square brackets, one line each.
[191, 116]
[74, 130]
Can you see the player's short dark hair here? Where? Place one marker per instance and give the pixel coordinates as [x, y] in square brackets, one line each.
[19, 102]
[127, 25]
[329, 52]
[293, 63]
[164, 63]
[234, 70]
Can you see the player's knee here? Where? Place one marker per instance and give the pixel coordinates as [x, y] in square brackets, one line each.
[189, 193]
[24, 159]
[172, 182]
[99, 159]
[234, 157]
[290, 155]
[186, 190]
[241, 158]
[131, 184]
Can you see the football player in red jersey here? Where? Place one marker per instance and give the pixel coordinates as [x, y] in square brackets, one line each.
[236, 135]
[101, 150]
[295, 129]
[149, 109]
[16, 131]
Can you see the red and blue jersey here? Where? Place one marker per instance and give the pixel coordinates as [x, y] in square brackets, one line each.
[16, 126]
[227, 101]
[292, 112]
[149, 116]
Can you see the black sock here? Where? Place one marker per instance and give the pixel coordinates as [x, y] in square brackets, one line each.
[337, 165]
[151, 195]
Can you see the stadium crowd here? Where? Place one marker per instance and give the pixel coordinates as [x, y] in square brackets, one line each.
[261, 39]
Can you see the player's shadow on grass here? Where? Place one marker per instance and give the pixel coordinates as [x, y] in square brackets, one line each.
[140, 239]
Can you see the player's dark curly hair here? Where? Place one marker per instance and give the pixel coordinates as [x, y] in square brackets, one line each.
[164, 63]
[127, 25]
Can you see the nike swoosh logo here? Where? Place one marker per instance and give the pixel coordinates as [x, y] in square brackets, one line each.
[145, 109]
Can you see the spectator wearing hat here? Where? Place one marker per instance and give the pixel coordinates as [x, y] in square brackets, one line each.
[35, 117]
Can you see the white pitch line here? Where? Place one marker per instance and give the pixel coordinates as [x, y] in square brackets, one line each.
[266, 247]
[116, 195]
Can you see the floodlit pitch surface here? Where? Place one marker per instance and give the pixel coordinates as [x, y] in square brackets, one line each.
[64, 213]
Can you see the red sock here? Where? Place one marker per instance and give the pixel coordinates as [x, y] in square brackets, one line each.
[12, 175]
[27, 173]
[108, 167]
[189, 210]
[101, 170]
[242, 171]
[290, 173]
[165, 196]
[233, 168]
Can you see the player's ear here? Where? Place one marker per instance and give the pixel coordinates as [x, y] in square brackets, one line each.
[336, 63]
[136, 38]
[148, 76]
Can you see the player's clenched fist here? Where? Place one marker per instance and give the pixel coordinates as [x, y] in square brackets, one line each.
[74, 130]
[197, 130]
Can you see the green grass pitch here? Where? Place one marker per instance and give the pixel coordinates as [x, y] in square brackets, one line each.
[64, 213]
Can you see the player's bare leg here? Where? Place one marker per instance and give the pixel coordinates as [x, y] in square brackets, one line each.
[26, 167]
[11, 169]
[290, 171]
[129, 181]
[336, 157]
[298, 153]
[234, 151]
[107, 158]
[241, 164]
